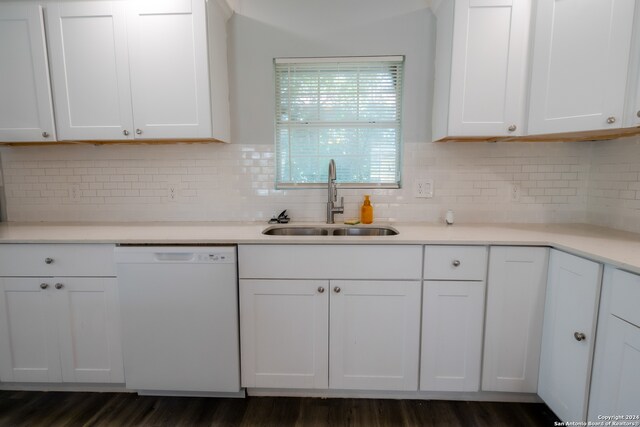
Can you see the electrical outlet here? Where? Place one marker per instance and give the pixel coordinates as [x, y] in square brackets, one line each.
[423, 188]
[172, 193]
[74, 192]
[514, 192]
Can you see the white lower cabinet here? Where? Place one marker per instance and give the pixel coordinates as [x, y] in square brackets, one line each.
[59, 314]
[28, 332]
[304, 325]
[618, 392]
[89, 330]
[330, 333]
[513, 327]
[616, 365]
[568, 339]
[374, 332]
[60, 329]
[283, 331]
[452, 317]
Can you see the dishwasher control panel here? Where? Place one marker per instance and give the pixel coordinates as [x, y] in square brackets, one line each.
[216, 257]
[175, 255]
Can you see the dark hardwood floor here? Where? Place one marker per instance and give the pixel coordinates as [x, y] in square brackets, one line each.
[35, 409]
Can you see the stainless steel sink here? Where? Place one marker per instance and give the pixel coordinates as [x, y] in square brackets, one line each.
[365, 231]
[296, 231]
[329, 231]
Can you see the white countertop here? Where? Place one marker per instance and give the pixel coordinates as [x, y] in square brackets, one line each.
[619, 248]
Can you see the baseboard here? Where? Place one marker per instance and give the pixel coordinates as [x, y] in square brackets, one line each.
[94, 388]
[480, 396]
[240, 394]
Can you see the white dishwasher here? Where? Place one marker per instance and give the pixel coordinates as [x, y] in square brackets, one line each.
[179, 308]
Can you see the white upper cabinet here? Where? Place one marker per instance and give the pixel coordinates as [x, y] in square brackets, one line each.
[632, 116]
[481, 68]
[580, 65]
[169, 70]
[632, 106]
[90, 70]
[26, 112]
[138, 70]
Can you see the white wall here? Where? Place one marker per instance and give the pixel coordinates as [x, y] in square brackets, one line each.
[262, 30]
[572, 182]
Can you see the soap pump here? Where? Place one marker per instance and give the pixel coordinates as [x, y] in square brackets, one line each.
[366, 212]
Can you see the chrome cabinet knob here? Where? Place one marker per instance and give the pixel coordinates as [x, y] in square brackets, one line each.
[125, 132]
[579, 336]
[45, 134]
[321, 289]
[638, 113]
[59, 286]
[611, 120]
[139, 131]
[455, 263]
[512, 128]
[48, 260]
[337, 289]
[44, 285]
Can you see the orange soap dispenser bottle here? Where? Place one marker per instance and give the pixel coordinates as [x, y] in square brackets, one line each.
[366, 212]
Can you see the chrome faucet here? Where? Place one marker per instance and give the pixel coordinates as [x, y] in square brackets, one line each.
[332, 196]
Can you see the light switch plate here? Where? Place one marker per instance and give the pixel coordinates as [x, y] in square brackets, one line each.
[423, 188]
[514, 192]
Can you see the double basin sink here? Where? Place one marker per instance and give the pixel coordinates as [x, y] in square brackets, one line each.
[279, 230]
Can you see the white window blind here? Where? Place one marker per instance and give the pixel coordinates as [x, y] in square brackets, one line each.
[346, 109]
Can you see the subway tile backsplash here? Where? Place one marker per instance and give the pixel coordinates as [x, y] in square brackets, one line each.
[557, 182]
[614, 184]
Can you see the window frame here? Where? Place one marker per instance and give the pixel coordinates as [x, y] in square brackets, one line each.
[398, 122]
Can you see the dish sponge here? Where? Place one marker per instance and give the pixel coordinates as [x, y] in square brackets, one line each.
[352, 221]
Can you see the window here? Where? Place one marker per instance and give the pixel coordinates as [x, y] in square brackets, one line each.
[346, 109]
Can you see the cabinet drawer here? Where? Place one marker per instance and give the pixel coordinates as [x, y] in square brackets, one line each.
[330, 262]
[65, 260]
[625, 295]
[455, 262]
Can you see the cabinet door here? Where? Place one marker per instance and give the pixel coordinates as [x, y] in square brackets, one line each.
[617, 390]
[633, 117]
[26, 112]
[580, 64]
[570, 310]
[374, 335]
[489, 67]
[89, 329]
[169, 70]
[284, 333]
[90, 70]
[452, 319]
[616, 365]
[513, 328]
[28, 331]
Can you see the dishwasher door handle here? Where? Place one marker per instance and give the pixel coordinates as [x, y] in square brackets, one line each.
[174, 256]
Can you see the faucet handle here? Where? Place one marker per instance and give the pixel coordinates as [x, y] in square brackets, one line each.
[342, 202]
